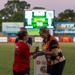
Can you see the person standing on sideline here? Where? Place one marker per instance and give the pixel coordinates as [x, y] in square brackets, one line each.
[52, 51]
[29, 41]
[22, 55]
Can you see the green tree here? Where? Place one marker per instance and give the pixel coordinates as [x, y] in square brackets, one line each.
[15, 6]
[13, 11]
[38, 8]
[17, 17]
[67, 15]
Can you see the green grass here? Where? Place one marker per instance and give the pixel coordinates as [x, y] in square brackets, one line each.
[6, 58]
[33, 32]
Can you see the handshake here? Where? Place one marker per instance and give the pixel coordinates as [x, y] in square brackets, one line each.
[38, 53]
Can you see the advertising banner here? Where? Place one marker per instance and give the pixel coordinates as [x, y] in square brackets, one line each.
[74, 39]
[40, 65]
[64, 27]
[11, 27]
[66, 39]
[12, 39]
[38, 39]
[3, 39]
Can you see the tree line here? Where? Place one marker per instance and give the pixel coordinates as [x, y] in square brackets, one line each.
[13, 11]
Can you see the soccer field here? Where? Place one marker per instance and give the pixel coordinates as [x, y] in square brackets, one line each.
[6, 58]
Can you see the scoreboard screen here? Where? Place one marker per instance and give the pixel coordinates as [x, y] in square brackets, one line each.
[34, 19]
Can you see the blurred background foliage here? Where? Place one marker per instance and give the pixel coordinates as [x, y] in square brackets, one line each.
[13, 11]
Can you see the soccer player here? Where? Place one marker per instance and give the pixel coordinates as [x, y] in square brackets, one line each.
[29, 41]
[52, 51]
[22, 55]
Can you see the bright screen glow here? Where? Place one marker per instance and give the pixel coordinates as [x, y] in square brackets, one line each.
[34, 19]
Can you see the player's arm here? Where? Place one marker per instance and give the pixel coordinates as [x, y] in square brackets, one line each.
[28, 53]
[36, 52]
[53, 52]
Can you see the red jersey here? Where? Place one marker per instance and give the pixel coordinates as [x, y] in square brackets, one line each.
[21, 57]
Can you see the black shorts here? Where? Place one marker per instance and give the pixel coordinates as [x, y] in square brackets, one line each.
[56, 69]
[27, 71]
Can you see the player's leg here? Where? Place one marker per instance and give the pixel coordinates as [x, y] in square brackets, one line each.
[48, 70]
[57, 69]
[26, 72]
[14, 72]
